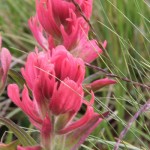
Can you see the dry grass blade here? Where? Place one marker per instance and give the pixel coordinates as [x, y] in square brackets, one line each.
[144, 108]
[115, 76]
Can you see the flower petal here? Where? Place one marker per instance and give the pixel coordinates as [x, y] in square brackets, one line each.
[67, 98]
[27, 105]
[5, 60]
[74, 67]
[96, 85]
[43, 90]
[86, 49]
[77, 137]
[81, 122]
[37, 32]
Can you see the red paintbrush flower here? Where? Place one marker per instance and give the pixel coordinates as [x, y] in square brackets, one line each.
[55, 80]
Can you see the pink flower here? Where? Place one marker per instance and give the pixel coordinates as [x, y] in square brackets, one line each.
[55, 80]
[53, 94]
[68, 36]
[76, 42]
[86, 7]
[54, 14]
[60, 20]
[96, 85]
[60, 23]
[84, 127]
[5, 60]
[49, 77]
[88, 50]
[38, 33]
[65, 27]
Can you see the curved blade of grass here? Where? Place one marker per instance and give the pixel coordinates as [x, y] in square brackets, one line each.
[16, 77]
[24, 138]
[11, 146]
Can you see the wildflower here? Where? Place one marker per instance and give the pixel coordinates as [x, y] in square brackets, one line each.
[67, 36]
[55, 80]
[60, 23]
[54, 76]
[54, 14]
[5, 60]
[88, 50]
[96, 85]
[59, 18]
[47, 76]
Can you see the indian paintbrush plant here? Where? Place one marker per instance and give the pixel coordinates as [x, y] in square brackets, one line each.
[54, 89]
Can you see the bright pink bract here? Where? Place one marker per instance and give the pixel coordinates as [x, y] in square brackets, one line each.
[5, 60]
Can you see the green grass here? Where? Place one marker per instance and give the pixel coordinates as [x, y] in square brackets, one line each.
[125, 26]
[14, 24]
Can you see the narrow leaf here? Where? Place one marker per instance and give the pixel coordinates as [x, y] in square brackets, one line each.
[16, 77]
[11, 146]
[24, 138]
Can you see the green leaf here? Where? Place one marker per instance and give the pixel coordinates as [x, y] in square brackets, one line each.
[24, 138]
[11, 146]
[16, 77]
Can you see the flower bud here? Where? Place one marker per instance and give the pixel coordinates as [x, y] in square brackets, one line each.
[5, 60]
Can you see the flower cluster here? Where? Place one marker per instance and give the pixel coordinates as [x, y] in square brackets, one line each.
[54, 77]
[55, 80]
[58, 22]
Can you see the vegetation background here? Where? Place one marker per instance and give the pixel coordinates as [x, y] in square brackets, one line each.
[125, 25]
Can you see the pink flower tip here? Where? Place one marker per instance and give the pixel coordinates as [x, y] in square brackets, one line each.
[5, 60]
[96, 85]
[104, 44]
